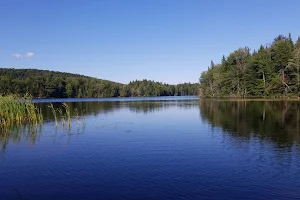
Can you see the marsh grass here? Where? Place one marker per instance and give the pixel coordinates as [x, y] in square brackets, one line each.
[64, 113]
[15, 110]
[54, 113]
[21, 117]
[62, 117]
[18, 114]
[68, 113]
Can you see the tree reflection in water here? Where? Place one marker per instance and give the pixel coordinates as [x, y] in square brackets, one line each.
[276, 121]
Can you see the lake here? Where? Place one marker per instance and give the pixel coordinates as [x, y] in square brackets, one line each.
[156, 148]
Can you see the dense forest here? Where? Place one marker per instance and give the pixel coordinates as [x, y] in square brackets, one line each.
[50, 84]
[271, 71]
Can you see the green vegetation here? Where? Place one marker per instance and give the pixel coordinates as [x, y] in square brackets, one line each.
[20, 117]
[67, 110]
[54, 113]
[43, 84]
[151, 88]
[17, 111]
[50, 84]
[270, 71]
[64, 112]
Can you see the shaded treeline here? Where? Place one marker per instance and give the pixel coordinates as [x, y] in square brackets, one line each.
[276, 121]
[151, 88]
[271, 71]
[50, 84]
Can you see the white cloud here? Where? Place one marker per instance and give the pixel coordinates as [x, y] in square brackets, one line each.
[17, 55]
[27, 55]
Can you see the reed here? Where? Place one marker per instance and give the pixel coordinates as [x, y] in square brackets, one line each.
[62, 117]
[16, 110]
[68, 113]
[54, 113]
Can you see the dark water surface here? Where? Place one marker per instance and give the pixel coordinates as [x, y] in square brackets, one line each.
[172, 148]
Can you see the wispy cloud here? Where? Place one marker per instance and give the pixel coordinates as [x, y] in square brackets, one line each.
[17, 55]
[27, 55]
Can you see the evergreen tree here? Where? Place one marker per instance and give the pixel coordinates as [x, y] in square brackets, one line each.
[269, 71]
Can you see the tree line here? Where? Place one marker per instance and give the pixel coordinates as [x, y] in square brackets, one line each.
[271, 71]
[50, 84]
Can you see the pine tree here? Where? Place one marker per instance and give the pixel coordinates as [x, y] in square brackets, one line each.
[297, 45]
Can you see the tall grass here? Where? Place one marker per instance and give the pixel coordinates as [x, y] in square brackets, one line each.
[19, 115]
[54, 113]
[62, 116]
[68, 113]
[64, 113]
[16, 110]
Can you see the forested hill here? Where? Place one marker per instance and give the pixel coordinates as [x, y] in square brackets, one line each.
[50, 84]
[272, 70]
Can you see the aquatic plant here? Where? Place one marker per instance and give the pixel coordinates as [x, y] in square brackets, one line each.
[21, 117]
[16, 110]
[62, 116]
[54, 113]
[68, 113]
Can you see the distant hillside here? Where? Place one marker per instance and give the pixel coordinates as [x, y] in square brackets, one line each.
[24, 73]
[51, 84]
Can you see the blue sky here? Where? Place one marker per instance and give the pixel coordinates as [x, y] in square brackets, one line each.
[170, 41]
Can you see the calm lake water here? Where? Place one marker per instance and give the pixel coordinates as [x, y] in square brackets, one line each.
[156, 148]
